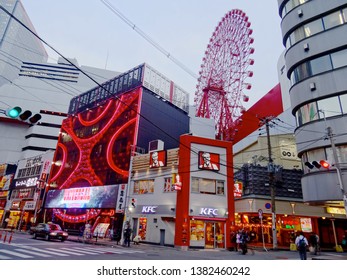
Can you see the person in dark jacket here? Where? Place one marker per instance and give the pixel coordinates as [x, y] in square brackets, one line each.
[301, 244]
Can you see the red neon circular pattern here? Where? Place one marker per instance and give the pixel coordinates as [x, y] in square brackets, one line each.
[109, 149]
[89, 123]
[61, 146]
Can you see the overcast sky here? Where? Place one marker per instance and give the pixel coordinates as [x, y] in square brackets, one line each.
[90, 32]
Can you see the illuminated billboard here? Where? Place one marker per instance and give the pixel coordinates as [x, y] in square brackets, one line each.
[157, 159]
[89, 197]
[208, 161]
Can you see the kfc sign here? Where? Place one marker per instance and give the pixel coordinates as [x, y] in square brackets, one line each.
[208, 161]
[157, 159]
[149, 209]
[209, 212]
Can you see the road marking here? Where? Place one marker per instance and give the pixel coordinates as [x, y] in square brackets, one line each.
[116, 251]
[33, 253]
[16, 254]
[81, 250]
[45, 251]
[63, 251]
[4, 257]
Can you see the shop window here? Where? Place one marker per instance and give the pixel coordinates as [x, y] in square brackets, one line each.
[197, 230]
[143, 228]
[143, 187]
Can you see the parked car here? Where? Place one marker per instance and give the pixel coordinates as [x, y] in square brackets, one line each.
[49, 231]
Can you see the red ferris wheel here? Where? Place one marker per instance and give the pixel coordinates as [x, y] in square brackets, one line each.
[225, 68]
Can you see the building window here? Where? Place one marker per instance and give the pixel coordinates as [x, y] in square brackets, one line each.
[333, 20]
[317, 66]
[339, 59]
[329, 107]
[143, 187]
[320, 65]
[316, 26]
[207, 186]
[343, 101]
[307, 113]
[344, 14]
[291, 4]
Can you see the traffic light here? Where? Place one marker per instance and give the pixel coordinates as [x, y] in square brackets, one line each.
[14, 112]
[133, 202]
[322, 163]
[35, 118]
[26, 116]
[325, 164]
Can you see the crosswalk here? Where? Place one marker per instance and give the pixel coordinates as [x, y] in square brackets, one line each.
[30, 252]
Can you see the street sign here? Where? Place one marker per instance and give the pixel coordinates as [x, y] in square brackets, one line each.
[260, 212]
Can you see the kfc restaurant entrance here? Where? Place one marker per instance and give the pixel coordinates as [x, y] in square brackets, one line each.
[208, 234]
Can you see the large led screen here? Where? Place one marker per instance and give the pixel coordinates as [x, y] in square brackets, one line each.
[89, 197]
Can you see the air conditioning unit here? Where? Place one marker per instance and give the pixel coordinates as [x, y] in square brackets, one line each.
[156, 145]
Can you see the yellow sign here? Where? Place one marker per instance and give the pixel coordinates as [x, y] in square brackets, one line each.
[335, 210]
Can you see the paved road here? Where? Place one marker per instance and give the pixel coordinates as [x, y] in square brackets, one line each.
[24, 247]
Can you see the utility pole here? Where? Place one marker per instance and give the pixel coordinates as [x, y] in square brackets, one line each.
[271, 171]
[337, 167]
[337, 163]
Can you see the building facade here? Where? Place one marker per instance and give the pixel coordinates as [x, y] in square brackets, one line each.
[316, 59]
[186, 202]
[24, 203]
[97, 140]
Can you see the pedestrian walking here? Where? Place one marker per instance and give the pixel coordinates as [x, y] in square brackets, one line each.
[238, 240]
[244, 240]
[314, 243]
[301, 245]
[127, 234]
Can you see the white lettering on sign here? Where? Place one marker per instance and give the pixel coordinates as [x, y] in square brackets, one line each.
[209, 211]
[149, 209]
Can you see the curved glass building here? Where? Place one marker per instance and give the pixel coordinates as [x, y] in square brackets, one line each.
[314, 34]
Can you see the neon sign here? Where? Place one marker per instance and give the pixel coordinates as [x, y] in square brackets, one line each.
[209, 211]
[149, 209]
[89, 197]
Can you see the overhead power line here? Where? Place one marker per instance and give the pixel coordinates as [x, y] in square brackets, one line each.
[149, 39]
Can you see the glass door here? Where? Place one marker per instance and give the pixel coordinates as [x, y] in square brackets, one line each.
[209, 235]
[214, 235]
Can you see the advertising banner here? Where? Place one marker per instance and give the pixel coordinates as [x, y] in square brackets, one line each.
[88, 197]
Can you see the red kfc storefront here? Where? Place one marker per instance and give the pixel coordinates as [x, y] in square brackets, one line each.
[206, 199]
